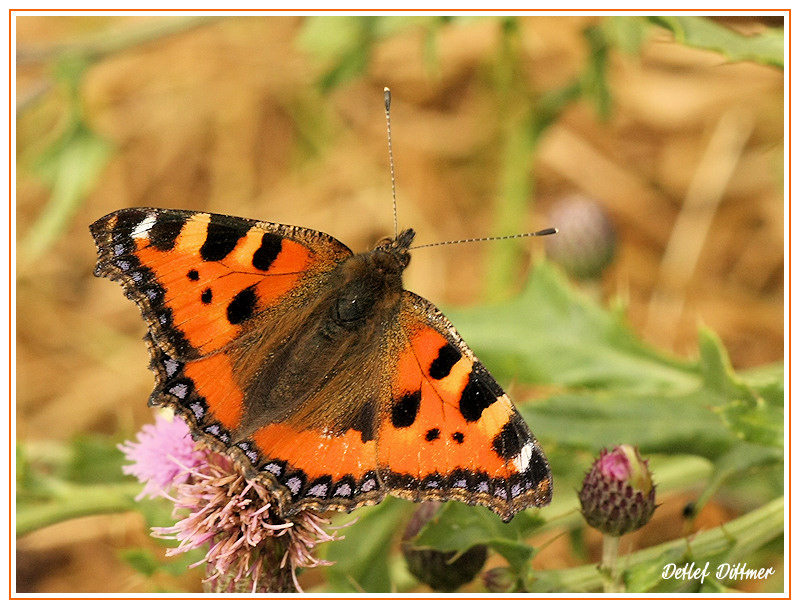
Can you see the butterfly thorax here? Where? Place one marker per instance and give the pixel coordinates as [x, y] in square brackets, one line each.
[370, 284]
[332, 341]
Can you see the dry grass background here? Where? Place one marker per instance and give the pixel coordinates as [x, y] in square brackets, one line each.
[221, 117]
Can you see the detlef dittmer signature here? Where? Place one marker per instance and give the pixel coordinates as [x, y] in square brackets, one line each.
[725, 571]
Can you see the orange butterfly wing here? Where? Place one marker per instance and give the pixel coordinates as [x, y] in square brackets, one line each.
[451, 431]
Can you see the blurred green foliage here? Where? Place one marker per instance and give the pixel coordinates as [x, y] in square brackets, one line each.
[766, 47]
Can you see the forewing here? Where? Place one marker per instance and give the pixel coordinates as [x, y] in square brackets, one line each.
[204, 280]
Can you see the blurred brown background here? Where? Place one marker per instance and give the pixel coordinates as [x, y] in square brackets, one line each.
[222, 115]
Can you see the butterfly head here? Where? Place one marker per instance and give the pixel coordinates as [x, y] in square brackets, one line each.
[398, 246]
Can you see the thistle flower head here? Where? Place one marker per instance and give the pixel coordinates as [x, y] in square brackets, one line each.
[586, 242]
[618, 495]
[251, 548]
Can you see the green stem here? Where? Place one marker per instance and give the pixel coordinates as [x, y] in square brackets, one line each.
[272, 575]
[77, 501]
[735, 539]
[516, 192]
[608, 564]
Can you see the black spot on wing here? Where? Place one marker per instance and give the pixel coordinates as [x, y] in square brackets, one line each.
[193, 275]
[221, 238]
[243, 306]
[364, 422]
[507, 443]
[404, 411]
[432, 434]
[165, 231]
[206, 296]
[480, 392]
[447, 358]
[267, 252]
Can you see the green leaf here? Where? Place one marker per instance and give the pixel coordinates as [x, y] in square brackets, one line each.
[754, 421]
[742, 457]
[59, 482]
[655, 423]
[73, 501]
[343, 44]
[552, 335]
[594, 85]
[149, 562]
[715, 366]
[361, 559]
[96, 459]
[628, 33]
[749, 415]
[457, 527]
[702, 32]
[142, 560]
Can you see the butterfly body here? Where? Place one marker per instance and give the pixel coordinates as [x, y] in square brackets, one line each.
[314, 368]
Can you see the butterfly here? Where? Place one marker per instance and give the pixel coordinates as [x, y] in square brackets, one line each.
[313, 368]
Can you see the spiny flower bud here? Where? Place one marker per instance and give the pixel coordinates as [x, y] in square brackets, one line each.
[618, 495]
[500, 579]
[586, 240]
[435, 568]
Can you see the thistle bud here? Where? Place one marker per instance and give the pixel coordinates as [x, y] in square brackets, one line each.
[500, 579]
[586, 240]
[440, 570]
[618, 495]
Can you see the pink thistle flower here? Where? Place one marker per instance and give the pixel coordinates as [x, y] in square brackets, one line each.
[251, 548]
[161, 456]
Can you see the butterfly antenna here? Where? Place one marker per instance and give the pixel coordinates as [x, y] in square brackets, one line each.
[387, 103]
[538, 233]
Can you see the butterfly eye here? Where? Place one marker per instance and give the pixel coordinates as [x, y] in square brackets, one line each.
[404, 258]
